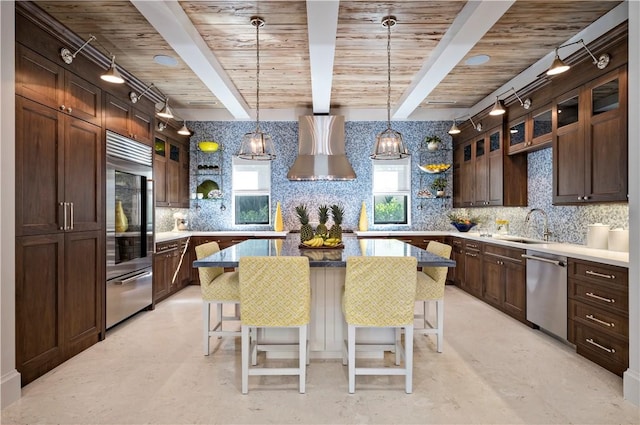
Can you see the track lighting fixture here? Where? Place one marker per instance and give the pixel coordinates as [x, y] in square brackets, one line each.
[184, 130]
[66, 54]
[478, 126]
[389, 144]
[112, 75]
[165, 112]
[454, 128]
[558, 66]
[498, 107]
[136, 97]
[162, 126]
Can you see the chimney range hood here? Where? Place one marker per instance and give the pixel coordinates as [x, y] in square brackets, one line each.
[321, 153]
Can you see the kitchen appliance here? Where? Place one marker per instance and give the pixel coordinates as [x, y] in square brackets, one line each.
[129, 252]
[618, 240]
[321, 151]
[547, 291]
[597, 236]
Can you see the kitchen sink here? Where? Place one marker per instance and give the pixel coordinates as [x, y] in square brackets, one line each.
[521, 240]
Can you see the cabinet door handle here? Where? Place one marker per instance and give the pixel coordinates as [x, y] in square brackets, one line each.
[62, 107]
[602, 322]
[606, 276]
[471, 255]
[63, 212]
[597, 297]
[69, 110]
[71, 220]
[602, 347]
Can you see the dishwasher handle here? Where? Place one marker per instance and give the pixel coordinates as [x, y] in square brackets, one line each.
[544, 260]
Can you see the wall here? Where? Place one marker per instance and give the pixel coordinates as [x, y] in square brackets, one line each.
[568, 223]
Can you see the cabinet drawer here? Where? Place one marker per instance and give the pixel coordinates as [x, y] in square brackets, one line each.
[503, 251]
[457, 242]
[599, 273]
[472, 245]
[605, 297]
[167, 246]
[610, 353]
[604, 320]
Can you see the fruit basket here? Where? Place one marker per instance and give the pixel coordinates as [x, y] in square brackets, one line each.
[435, 168]
[463, 227]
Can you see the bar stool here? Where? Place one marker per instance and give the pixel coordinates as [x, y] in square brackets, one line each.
[218, 287]
[430, 288]
[275, 292]
[380, 292]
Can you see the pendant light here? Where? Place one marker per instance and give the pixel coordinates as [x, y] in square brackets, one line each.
[165, 112]
[257, 145]
[184, 130]
[389, 144]
[454, 128]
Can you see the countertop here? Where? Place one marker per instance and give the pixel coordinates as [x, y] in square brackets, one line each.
[570, 250]
[334, 257]
[581, 252]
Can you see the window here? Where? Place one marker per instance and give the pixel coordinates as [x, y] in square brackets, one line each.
[251, 192]
[391, 191]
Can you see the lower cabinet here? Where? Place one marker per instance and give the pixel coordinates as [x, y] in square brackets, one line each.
[598, 313]
[504, 280]
[456, 274]
[58, 299]
[171, 268]
[472, 282]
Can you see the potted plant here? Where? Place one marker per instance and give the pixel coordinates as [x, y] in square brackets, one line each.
[439, 185]
[432, 142]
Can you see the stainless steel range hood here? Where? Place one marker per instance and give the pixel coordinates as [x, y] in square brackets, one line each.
[321, 154]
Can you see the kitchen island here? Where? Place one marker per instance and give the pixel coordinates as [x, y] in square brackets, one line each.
[328, 268]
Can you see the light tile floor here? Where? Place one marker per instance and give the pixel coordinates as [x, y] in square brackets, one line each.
[150, 369]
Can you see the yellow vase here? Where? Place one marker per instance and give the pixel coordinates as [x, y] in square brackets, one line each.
[363, 223]
[122, 224]
[278, 225]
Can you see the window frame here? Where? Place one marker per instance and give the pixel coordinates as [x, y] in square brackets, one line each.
[263, 168]
[403, 191]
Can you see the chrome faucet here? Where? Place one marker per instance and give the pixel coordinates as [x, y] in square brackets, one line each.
[545, 231]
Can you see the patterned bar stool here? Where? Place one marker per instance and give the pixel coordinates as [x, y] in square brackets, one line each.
[218, 287]
[430, 287]
[380, 292]
[275, 292]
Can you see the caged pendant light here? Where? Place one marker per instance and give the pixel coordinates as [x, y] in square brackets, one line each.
[257, 145]
[389, 144]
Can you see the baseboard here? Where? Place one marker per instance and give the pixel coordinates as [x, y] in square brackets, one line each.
[631, 386]
[9, 388]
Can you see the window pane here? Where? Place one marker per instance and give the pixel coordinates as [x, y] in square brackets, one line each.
[251, 209]
[390, 209]
[605, 97]
[568, 112]
[391, 176]
[251, 175]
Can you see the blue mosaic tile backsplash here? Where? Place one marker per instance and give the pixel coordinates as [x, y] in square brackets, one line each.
[568, 223]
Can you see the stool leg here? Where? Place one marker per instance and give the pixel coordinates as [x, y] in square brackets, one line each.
[245, 342]
[351, 353]
[302, 361]
[219, 316]
[398, 345]
[206, 311]
[408, 358]
[426, 314]
[440, 319]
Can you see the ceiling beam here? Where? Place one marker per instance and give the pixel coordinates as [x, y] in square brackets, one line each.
[471, 24]
[173, 24]
[322, 25]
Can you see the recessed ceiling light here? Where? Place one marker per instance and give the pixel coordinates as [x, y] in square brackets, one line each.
[477, 60]
[165, 60]
[440, 102]
[202, 102]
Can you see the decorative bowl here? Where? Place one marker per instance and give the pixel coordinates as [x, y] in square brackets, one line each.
[463, 227]
[208, 147]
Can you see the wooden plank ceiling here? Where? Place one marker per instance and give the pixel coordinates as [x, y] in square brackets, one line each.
[528, 31]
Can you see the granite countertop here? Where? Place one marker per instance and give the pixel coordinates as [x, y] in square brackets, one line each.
[581, 252]
[321, 257]
[167, 236]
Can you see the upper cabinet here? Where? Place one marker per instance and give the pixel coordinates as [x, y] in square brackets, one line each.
[122, 118]
[530, 132]
[171, 171]
[590, 142]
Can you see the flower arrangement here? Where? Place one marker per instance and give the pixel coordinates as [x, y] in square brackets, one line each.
[440, 183]
[463, 222]
[432, 142]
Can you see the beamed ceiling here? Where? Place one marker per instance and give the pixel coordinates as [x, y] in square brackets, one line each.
[327, 56]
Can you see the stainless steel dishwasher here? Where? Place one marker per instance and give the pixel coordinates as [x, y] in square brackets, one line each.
[547, 291]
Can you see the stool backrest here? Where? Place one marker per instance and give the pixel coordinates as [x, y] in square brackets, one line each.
[438, 274]
[207, 274]
[275, 291]
[380, 291]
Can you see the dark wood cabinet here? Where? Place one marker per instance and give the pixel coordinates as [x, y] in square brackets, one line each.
[171, 172]
[598, 313]
[590, 143]
[472, 282]
[531, 132]
[123, 118]
[504, 280]
[456, 274]
[171, 267]
[44, 82]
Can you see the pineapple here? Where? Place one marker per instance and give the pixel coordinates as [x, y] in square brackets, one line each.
[336, 231]
[323, 216]
[306, 231]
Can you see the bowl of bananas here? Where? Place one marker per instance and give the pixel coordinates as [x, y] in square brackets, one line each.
[318, 242]
[435, 168]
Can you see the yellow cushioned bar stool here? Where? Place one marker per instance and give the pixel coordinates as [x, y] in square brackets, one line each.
[218, 287]
[380, 292]
[275, 292]
[430, 288]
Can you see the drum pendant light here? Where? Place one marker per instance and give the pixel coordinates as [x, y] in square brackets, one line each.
[257, 145]
[389, 144]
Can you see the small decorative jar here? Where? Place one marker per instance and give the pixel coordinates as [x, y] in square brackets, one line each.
[502, 226]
